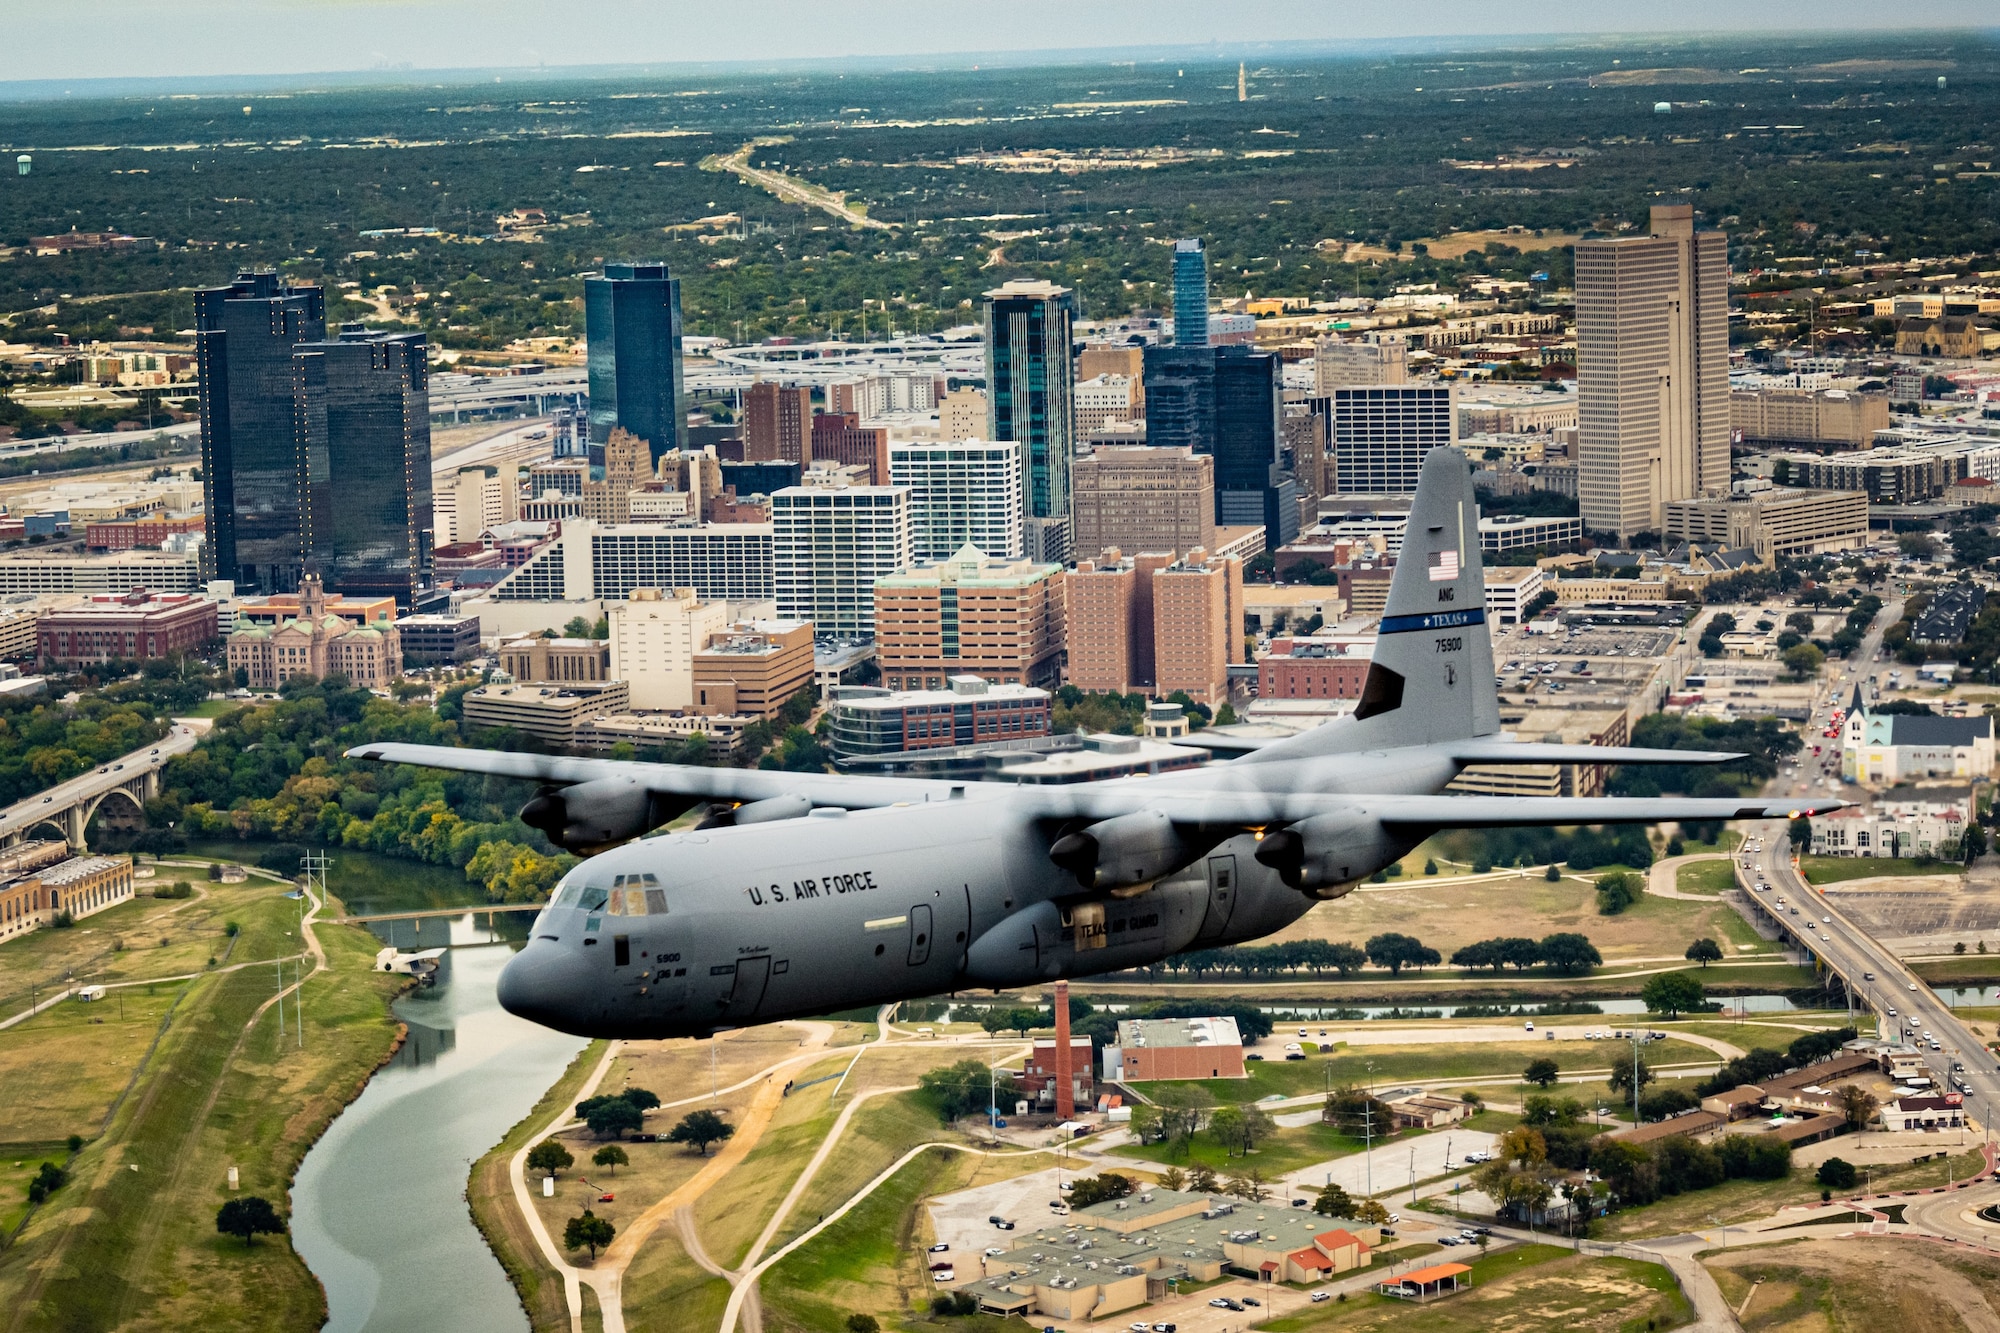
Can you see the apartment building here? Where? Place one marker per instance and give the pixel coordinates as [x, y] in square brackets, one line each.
[961, 492]
[971, 615]
[829, 546]
[655, 634]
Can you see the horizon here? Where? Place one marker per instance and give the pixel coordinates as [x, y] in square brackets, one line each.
[264, 41]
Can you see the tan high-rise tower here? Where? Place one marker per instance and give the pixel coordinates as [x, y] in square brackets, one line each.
[1652, 359]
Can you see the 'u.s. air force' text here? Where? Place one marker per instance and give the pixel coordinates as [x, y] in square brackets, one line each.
[859, 881]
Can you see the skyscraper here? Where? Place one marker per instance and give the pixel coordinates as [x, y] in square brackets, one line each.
[777, 423]
[1652, 361]
[244, 336]
[1251, 485]
[362, 402]
[1190, 294]
[1029, 394]
[632, 321]
[1381, 433]
[961, 491]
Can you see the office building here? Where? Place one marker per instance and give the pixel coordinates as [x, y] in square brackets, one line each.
[966, 710]
[829, 544]
[1108, 622]
[1126, 361]
[1380, 434]
[777, 423]
[1338, 364]
[439, 639]
[551, 713]
[1322, 666]
[151, 532]
[655, 634]
[115, 572]
[135, 626]
[244, 336]
[1155, 622]
[564, 476]
[535, 659]
[632, 321]
[964, 491]
[1252, 487]
[1807, 418]
[962, 415]
[593, 562]
[1775, 522]
[476, 500]
[1144, 499]
[363, 407]
[628, 464]
[897, 391]
[1190, 294]
[1511, 590]
[1030, 400]
[1652, 359]
[839, 438]
[751, 668]
[1104, 399]
[969, 615]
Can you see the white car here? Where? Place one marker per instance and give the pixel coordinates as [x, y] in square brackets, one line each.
[1531, 1022]
[1913, 985]
[1319, 1296]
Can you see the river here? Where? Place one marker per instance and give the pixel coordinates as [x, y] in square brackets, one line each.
[378, 1209]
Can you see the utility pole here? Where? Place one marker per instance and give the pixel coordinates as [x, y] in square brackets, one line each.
[280, 964]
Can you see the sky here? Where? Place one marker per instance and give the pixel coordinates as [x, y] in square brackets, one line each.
[167, 38]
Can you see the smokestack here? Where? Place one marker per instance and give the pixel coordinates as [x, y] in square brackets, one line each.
[1065, 1077]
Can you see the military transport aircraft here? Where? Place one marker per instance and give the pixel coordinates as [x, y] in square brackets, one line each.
[801, 894]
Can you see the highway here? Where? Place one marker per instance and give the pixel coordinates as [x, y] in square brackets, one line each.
[1879, 981]
[51, 803]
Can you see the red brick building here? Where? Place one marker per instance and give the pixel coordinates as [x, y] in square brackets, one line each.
[128, 534]
[1313, 669]
[841, 438]
[137, 625]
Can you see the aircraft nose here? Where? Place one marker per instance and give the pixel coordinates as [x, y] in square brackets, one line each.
[540, 985]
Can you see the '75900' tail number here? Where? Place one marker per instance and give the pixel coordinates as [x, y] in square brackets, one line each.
[1451, 645]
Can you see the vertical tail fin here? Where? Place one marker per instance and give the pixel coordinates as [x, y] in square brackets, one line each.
[1431, 678]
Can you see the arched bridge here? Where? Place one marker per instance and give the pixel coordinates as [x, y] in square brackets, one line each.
[66, 809]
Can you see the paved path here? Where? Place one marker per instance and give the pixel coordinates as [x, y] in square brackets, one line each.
[1663, 880]
[517, 1170]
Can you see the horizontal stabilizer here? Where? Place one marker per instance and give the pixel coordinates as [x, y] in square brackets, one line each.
[1490, 750]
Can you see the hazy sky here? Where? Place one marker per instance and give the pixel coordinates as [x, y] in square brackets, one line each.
[111, 38]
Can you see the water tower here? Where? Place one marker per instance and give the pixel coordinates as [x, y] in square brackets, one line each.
[23, 163]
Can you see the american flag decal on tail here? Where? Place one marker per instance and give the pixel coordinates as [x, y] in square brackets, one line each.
[1444, 566]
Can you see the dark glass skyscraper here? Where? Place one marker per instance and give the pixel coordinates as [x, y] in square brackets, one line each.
[244, 336]
[363, 406]
[632, 323]
[1190, 294]
[1227, 402]
[1030, 397]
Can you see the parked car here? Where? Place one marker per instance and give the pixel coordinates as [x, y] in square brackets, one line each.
[940, 1247]
[1319, 1296]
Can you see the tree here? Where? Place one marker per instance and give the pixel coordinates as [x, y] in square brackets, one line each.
[1569, 953]
[1553, 874]
[701, 1128]
[1973, 845]
[1397, 951]
[1673, 994]
[1333, 1201]
[1371, 1212]
[1226, 1124]
[1616, 892]
[1201, 1179]
[1542, 1072]
[1857, 1106]
[1099, 1188]
[640, 1098]
[1801, 833]
[588, 1232]
[967, 1087]
[611, 1156]
[1345, 959]
[249, 1217]
[1250, 1186]
[1804, 661]
[1663, 1102]
[550, 1156]
[1704, 951]
[862, 1323]
[1628, 1069]
[1837, 1174]
[611, 1117]
[47, 1180]
[1173, 1178]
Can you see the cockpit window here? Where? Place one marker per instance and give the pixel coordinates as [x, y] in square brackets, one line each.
[590, 899]
[630, 894]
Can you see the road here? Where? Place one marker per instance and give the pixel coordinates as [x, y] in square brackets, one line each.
[1879, 980]
[52, 802]
[791, 189]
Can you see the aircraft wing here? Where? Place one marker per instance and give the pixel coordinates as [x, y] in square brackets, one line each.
[1449, 812]
[717, 784]
[1492, 750]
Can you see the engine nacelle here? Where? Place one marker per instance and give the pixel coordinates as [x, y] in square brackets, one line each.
[599, 813]
[756, 812]
[1124, 852]
[1328, 855]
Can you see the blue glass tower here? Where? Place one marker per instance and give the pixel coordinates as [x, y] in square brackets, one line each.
[1030, 397]
[632, 322]
[1190, 294]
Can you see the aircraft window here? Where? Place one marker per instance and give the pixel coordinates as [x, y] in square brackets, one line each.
[592, 900]
[656, 901]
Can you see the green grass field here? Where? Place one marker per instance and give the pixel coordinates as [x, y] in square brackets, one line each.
[1837, 869]
[1705, 877]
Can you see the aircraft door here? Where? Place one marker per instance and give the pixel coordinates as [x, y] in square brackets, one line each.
[920, 934]
[1221, 896]
[752, 975]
